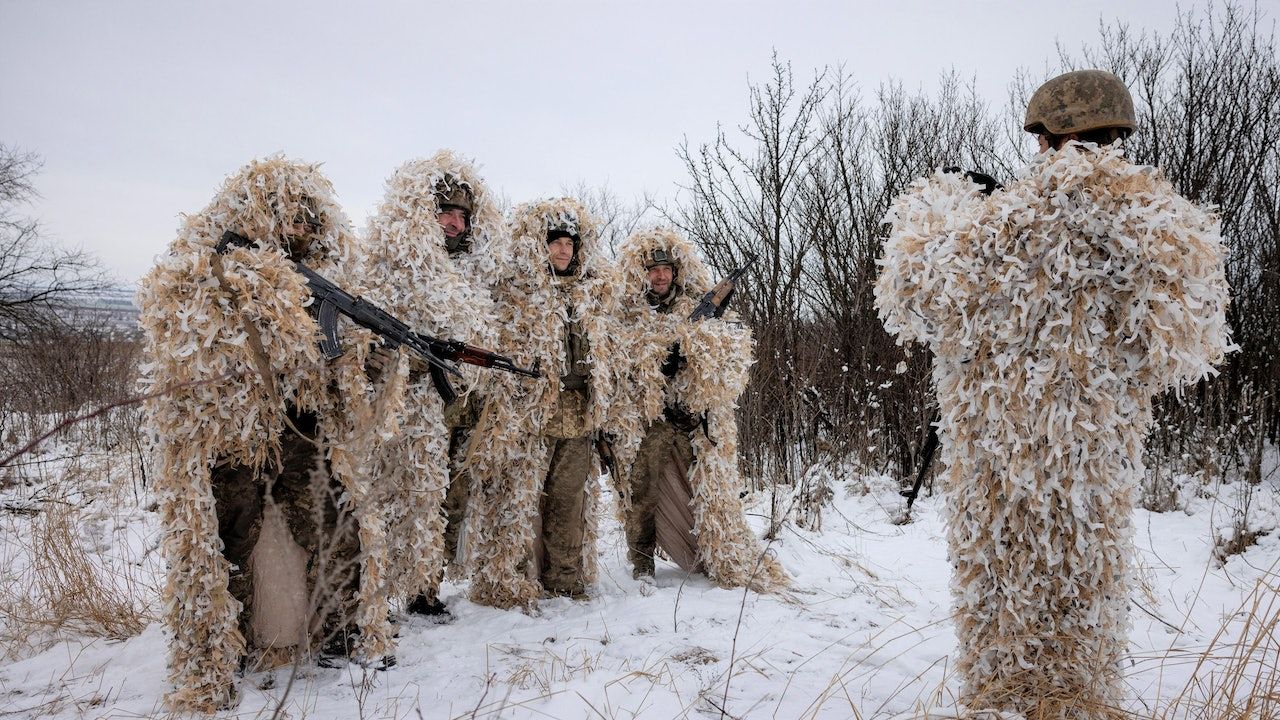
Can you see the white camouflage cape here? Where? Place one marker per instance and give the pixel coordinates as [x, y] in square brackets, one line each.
[413, 277]
[1055, 310]
[509, 455]
[719, 357]
[219, 408]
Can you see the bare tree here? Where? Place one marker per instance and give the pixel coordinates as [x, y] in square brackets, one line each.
[746, 200]
[871, 152]
[618, 218]
[36, 278]
[807, 190]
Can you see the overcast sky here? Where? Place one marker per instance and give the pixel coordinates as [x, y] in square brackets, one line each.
[140, 109]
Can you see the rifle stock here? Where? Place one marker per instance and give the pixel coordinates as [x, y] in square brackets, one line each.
[716, 300]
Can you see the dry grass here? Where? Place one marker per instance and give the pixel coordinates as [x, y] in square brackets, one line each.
[54, 584]
[1237, 675]
[544, 668]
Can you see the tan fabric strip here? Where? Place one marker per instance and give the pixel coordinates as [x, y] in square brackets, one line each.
[674, 517]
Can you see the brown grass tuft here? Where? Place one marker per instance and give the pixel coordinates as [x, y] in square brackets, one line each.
[53, 586]
[1237, 675]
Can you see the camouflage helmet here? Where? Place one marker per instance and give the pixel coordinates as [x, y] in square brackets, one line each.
[562, 224]
[1080, 101]
[660, 256]
[556, 233]
[450, 192]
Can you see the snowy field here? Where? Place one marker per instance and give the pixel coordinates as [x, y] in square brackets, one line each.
[864, 632]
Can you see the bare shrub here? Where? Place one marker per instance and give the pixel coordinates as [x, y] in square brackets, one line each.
[1159, 493]
[54, 370]
[814, 493]
[806, 189]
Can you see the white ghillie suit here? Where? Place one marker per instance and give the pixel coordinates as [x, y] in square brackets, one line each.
[196, 333]
[509, 457]
[718, 357]
[1055, 310]
[413, 277]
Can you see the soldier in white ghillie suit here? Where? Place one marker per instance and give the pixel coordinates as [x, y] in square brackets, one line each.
[429, 260]
[534, 490]
[677, 476]
[271, 535]
[1055, 309]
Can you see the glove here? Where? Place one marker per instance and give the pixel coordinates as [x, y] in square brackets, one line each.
[988, 183]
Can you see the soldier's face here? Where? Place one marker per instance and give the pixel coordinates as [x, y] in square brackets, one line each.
[560, 252]
[453, 219]
[1047, 142]
[660, 279]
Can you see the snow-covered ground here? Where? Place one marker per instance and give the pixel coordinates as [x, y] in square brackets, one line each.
[864, 632]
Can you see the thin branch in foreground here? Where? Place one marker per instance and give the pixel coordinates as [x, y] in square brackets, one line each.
[108, 408]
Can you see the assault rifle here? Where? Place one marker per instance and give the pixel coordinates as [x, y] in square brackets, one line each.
[716, 301]
[926, 459]
[604, 447]
[333, 300]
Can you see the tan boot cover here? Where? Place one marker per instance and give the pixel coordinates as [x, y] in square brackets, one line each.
[280, 607]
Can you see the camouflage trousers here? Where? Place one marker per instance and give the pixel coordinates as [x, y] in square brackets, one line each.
[304, 490]
[460, 417]
[660, 496]
[564, 522]
[458, 494]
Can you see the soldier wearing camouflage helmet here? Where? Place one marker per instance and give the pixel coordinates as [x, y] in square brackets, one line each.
[430, 260]
[272, 533]
[666, 452]
[455, 201]
[531, 456]
[1055, 308]
[1086, 106]
[677, 477]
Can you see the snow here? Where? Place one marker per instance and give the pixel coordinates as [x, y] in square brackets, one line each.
[864, 631]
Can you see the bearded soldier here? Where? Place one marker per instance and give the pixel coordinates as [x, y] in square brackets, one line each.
[430, 260]
[677, 480]
[531, 457]
[1055, 309]
[262, 443]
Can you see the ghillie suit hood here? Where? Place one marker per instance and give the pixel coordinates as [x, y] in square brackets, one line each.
[509, 454]
[1055, 310]
[719, 358]
[195, 335]
[414, 277]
